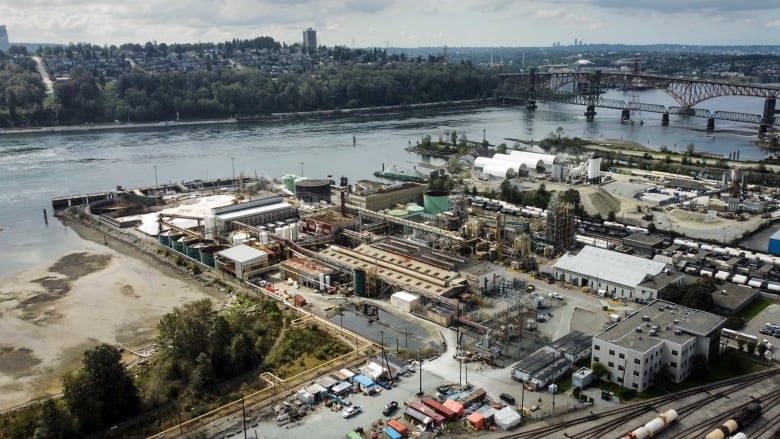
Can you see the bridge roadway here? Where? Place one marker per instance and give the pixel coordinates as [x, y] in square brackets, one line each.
[686, 92]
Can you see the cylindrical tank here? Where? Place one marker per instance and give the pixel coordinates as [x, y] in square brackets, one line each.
[414, 208]
[288, 181]
[239, 238]
[312, 191]
[639, 433]
[594, 167]
[293, 232]
[739, 436]
[398, 212]
[359, 282]
[436, 202]
[322, 281]
[210, 226]
[264, 238]
[327, 281]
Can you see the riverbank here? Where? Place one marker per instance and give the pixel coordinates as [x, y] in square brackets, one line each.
[106, 291]
[350, 112]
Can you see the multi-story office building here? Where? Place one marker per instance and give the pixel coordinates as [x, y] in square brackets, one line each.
[310, 40]
[662, 334]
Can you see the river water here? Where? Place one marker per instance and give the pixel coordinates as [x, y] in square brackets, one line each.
[35, 168]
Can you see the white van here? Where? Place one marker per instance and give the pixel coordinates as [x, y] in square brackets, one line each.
[555, 296]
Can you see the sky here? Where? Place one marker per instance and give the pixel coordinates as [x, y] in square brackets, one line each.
[397, 23]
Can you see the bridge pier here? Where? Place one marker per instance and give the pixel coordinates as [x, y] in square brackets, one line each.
[625, 115]
[590, 112]
[710, 124]
[768, 118]
[665, 119]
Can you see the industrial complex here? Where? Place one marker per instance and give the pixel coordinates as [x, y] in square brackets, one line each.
[450, 258]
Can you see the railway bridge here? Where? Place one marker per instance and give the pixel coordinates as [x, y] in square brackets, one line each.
[588, 86]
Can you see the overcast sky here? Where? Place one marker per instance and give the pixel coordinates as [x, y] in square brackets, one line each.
[398, 23]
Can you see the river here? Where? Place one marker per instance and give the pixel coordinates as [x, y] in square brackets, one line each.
[34, 168]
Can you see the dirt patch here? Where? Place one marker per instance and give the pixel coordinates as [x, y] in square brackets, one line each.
[56, 288]
[600, 201]
[17, 362]
[586, 321]
[128, 291]
[76, 265]
[696, 217]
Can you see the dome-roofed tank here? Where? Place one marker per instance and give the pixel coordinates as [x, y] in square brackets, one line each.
[313, 191]
[436, 202]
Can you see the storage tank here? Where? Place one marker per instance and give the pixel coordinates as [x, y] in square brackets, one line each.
[293, 232]
[239, 238]
[210, 226]
[398, 212]
[436, 202]
[312, 191]
[288, 181]
[322, 281]
[414, 208]
[739, 436]
[594, 167]
[264, 239]
[327, 281]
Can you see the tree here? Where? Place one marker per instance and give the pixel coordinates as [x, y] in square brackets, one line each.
[501, 148]
[762, 349]
[690, 149]
[600, 371]
[651, 228]
[54, 423]
[202, 375]
[751, 347]
[102, 392]
[611, 216]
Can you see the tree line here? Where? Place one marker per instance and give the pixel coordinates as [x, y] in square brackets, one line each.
[141, 97]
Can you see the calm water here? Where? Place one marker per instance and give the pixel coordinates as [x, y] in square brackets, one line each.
[36, 168]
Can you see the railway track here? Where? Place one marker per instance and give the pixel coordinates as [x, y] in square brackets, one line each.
[615, 420]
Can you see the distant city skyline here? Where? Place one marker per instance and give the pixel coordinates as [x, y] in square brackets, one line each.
[398, 23]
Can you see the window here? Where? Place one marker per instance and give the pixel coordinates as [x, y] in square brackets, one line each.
[595, 359]
[636, 373]
[673, 364]
[620, 367]
[611, 364]
[621, 356]
[611, 352]
[597, 347]
[636, 361]
[674, 352]
[620, 379]
[635, 385]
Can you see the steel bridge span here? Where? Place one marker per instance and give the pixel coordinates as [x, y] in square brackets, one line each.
[531, 87]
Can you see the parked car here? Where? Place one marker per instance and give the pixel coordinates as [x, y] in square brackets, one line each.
[390, 408]
[351, 411]
[507, 398]
[766, 331]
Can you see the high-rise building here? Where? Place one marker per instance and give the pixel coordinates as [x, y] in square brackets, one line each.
[310, 40]
[4, 44]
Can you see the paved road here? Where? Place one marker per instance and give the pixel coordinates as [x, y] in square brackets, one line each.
[44, 74]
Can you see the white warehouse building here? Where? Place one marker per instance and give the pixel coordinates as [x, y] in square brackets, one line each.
[609, 273]
[662, 334]
[546, 159]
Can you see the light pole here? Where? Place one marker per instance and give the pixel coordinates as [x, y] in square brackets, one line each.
[301, 169]
[156, 186]
[233, 166]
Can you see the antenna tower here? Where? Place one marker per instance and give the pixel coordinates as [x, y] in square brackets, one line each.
[444, 58]
[633, 105]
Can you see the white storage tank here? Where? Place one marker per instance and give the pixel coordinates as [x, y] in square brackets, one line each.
[239, 238]
[594, 167]
[322, 281]
[264, 239]
[293, 232]
[211, 226]
[327, 281]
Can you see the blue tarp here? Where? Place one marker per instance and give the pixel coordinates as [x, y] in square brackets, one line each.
[392, 434]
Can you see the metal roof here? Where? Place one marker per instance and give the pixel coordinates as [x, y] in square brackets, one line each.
[243, 254]
[610, 266]
[253, 211]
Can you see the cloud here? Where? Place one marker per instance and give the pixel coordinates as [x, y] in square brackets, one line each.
[686, 6]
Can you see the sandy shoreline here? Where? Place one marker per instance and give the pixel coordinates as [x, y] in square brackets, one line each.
[99, 294]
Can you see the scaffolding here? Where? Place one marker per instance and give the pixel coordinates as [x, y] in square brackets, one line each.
[560, 226]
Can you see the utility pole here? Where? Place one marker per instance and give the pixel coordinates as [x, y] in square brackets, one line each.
[233, 166]
[243, 412]
[419, 365]
[555, 354]
[156, 186]
[301, 169]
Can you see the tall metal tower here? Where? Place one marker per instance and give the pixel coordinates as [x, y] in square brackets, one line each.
[633, 104]
[560, 225]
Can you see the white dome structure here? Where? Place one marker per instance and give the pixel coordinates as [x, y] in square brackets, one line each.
[546, 159]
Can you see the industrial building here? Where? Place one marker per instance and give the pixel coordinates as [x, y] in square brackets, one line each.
[659, 335]
[560, 226]
[307, 273]
[540, 369]
[327, 222]
[573, 346]
[774, 244]
[394, 264]
[241, 261]
[608, 273]
[268, 209]
[484, 277]
[375, 196]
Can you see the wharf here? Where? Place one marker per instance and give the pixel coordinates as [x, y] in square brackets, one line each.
[143, 192]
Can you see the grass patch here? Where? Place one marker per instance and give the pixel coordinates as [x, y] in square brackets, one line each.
[755, 308]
